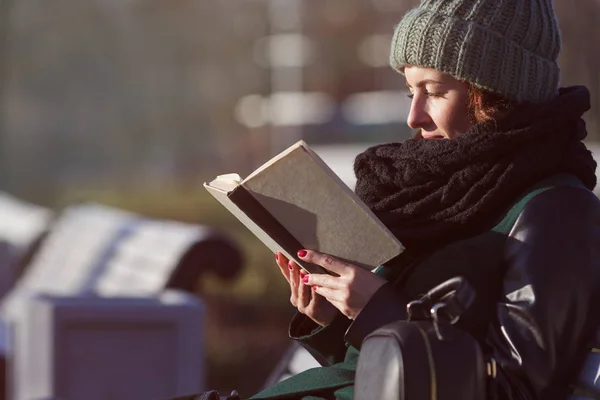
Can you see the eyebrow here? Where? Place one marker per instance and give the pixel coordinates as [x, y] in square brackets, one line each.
[424, 82]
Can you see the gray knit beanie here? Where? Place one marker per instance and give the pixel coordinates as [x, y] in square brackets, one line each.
[508, 47]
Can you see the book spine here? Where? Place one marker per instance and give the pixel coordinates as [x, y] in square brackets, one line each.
[271, 226]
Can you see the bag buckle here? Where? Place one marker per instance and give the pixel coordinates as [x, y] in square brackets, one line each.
[439, 309]
[492, 369]
[442, 319]
[415, 310]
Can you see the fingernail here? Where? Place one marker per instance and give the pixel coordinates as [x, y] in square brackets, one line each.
[290, 266]
[305, 279]
[313, 287]
[277, 256]
[302, 253]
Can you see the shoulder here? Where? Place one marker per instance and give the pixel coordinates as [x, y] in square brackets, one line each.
[559, 231]
[560, 213]
[558, 195]
[562, 202]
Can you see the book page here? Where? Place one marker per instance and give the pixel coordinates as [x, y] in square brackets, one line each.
[226, 183]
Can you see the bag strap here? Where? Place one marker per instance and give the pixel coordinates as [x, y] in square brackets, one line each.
[444, 304]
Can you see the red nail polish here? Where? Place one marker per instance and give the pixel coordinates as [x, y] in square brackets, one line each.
[277, 256]
[302, 253]
[305, 279]
[313, 287]
[290, 266]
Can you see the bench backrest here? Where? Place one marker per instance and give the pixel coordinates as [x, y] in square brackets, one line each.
[93, 249]
[21, 226]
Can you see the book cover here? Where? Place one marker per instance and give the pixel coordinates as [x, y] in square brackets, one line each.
[294, 201]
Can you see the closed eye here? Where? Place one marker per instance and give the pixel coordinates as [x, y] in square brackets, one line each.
[432, 94]
[429, 94]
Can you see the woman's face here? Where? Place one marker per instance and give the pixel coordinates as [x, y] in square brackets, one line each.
[439, 107]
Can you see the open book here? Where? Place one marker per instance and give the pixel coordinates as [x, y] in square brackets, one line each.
[295, 201]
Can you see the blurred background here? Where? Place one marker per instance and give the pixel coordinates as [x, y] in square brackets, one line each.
[133, 104]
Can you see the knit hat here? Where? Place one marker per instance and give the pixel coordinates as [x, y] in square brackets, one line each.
[508, 47]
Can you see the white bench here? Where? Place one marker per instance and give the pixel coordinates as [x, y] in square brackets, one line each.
[108, 348]
[96, 257]
[97, 250]
[21, 226]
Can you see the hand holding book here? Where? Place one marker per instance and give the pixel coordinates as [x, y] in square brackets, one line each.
[303, 297]
[348, 289]
[322, 296]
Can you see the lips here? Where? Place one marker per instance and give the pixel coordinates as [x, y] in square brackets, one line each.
[431, 136]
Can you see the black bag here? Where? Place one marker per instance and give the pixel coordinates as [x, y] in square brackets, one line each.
[424, 358]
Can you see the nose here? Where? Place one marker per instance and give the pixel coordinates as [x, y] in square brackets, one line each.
[418, 118]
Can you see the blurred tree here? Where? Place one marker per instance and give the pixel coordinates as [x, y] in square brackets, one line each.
[142, 93]
[580, 58]
[5, 7]
[125, 94]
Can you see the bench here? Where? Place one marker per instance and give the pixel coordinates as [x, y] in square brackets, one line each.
[95, 258]
[22, 227]
[93, 249]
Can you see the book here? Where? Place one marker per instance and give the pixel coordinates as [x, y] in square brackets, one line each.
[295, 201]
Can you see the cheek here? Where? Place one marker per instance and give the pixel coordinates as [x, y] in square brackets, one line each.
[457, 120]
[451, 124]
[460, 122]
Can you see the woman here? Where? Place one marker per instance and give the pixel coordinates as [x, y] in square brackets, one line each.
[495, 187]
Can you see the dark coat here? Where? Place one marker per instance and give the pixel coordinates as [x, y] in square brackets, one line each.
[537, 275]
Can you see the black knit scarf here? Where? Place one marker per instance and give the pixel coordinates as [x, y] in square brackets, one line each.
[431, 192]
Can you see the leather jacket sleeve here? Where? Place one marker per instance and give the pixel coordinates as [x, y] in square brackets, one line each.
[546, 313]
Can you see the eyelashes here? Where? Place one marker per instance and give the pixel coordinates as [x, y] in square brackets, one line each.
[428, 94]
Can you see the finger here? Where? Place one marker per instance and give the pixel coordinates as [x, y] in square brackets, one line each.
[294, 282]
[317, 303]
[282, 263]
[304, 295]
[323, 280]
[331, 295]
[324, 260]
[340, 305]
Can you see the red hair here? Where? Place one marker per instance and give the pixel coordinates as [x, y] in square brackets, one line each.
[485, 106]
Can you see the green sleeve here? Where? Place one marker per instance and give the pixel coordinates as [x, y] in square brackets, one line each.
[326, 343]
